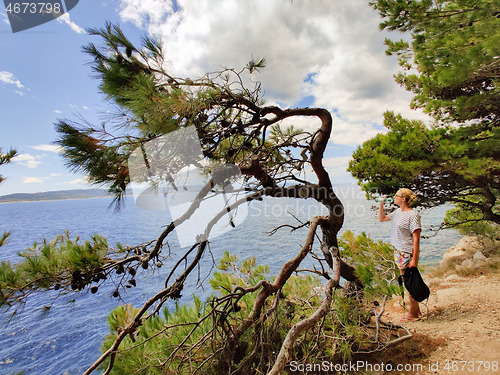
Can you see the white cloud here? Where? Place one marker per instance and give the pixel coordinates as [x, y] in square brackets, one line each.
[347, 133]
[66, 19]
[337, 162]
[337, 165]
[145, 12]
[32, 180]
[337, 169]
[351, 133]
[57, 111]
[77, 181]
[27, 160]
[337, 45]
[77, 108]
[48, 148]
[5, 19]
[9, 78]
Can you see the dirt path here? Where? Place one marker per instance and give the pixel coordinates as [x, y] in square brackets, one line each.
[461, 334]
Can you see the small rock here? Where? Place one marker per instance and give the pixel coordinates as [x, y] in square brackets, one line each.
[468, 263]
[454, 252]
[488, 242]
[479, 256]
[472, 242]
[481, 262]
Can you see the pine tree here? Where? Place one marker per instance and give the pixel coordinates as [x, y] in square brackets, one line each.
[441, 164]
[452, 65]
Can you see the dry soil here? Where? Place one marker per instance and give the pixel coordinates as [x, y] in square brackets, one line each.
[460, 333]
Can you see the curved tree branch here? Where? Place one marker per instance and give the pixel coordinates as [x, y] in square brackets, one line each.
[309, 322]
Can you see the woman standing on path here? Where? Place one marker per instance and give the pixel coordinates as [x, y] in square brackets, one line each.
[405, 237]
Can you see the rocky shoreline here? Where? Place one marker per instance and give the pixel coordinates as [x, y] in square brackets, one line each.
[472, 256]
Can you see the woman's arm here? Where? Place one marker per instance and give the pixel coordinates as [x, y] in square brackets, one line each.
[416, 248]
[381, 214]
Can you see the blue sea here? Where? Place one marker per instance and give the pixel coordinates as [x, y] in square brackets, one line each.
[67, 338]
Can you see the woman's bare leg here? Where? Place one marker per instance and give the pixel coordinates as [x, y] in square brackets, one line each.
[414, 311]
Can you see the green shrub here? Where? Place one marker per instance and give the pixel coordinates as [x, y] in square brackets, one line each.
[196, 338]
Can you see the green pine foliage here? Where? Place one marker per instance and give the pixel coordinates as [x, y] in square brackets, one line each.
[4, 237]
[103, 164]
[151, 103]
[61, 263]
[389, 160]
[451, 63]
[194, 338]
[441, 164]
[6, 158]
[470, 221]
[374, 264]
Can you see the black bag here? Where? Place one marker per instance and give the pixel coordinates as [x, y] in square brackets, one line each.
[415, 285]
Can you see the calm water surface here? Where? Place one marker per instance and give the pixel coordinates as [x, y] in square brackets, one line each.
[68, 338]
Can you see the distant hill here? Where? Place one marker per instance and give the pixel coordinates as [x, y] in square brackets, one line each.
[54, 195]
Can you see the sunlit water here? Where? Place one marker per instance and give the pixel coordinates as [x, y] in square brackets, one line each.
[68, 338]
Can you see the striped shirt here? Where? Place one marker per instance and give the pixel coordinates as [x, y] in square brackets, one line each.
[403, 224]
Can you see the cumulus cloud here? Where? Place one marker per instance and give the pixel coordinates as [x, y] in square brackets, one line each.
[77, 181]
[336, 162]
[66, 19]
[336, 167]
[145, 13]
[32, 180]
[48, 148]
[27, 160]
[330, 50]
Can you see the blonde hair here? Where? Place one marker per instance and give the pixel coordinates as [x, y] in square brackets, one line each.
[409, 196]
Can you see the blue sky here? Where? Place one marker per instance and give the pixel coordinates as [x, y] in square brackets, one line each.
[45, 76]
[318, 53]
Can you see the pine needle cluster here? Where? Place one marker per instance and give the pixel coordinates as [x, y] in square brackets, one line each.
[62, 264]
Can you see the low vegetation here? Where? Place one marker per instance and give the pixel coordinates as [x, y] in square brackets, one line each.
[196, 338]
